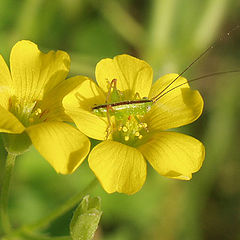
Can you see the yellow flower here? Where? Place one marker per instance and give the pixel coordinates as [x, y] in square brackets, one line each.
[31, 105]
[120, 162]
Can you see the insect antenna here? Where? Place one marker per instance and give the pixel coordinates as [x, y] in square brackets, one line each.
[193, 80]
[155, 98]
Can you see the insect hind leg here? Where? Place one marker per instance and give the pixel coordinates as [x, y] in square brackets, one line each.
[113, 85]
[109, 127]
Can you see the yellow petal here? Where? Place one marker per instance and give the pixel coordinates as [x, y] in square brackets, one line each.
[60, 144]
[5, 94]
[133, 75]
[78, 105]
[118, 167]
[52, 101]
[5, 77]
[9, 123]
[35, 73]
[174, 155]
[178, 107]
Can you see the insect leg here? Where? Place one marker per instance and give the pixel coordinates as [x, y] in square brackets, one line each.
[109, 127]
[113, 85]
[136, 96]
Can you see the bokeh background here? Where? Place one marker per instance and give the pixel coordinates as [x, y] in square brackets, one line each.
[168, 34]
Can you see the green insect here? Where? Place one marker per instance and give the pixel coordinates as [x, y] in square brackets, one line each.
[133, 111]
[126, 111]
[120, 108]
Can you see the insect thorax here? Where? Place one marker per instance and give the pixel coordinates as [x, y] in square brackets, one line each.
[128, 126]
[124, 109]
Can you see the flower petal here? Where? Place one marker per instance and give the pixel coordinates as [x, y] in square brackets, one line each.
[133, 75]
[78, 105]
[35, 73]
[174, 155]
[5, 94]
[64, 147]
[9, 123]
[118, 167]
[52, 101]
[178, 107]
[5, 77]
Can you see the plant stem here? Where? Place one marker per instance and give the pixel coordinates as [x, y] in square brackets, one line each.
[10, 161]
[211, 20]
[116, 14]
[62, 209]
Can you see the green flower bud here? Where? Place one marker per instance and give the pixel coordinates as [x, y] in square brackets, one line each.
[86, 218]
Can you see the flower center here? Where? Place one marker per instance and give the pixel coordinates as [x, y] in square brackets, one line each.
[130, 131]
[28, 113]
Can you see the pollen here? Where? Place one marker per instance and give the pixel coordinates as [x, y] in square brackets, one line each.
[38, 111]
[27, 112]
[130, 131]
[125, 129]
[126, 138]
[137, 134]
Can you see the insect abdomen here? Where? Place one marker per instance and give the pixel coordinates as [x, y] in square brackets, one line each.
[124, 109]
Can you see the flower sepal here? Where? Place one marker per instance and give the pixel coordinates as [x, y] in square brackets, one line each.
[16, 143]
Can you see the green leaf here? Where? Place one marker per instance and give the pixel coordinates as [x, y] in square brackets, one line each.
[86, 218]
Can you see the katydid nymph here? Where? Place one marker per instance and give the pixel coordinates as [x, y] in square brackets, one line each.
[134, 110]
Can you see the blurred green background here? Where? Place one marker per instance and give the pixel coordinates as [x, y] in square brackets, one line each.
[168, 34]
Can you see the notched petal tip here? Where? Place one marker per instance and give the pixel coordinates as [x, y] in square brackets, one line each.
[133, 75]
[35, 73]
[118, 167]
[178, 107]
[174, 155]
[194, 101]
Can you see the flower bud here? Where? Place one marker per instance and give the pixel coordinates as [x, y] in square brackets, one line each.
[86, 218]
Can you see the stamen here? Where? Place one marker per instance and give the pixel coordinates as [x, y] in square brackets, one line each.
[126, 138]
[137, 134]
[28, 113]
[124, 129]
[130, 130]
[38, 111]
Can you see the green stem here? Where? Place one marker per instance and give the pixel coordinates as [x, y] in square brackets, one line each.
[211, 20]
[116, 14]
[62, 209]
[10, 161]
[159, 39]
